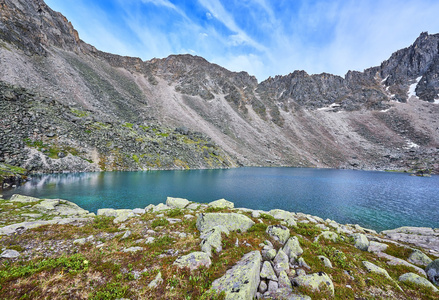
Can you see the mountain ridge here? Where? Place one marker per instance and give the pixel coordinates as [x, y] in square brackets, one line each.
[364, 120]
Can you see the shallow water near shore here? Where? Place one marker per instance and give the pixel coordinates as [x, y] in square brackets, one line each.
[375, 200]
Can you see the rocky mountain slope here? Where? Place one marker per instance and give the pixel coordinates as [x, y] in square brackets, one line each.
[68, 106]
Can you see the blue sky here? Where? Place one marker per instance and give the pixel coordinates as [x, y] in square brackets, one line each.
[263, 37]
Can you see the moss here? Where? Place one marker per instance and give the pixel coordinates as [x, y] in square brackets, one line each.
[79, 113]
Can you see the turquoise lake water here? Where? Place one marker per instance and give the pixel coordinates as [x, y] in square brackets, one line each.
[375, 200]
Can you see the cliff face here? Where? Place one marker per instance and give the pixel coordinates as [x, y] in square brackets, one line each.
[200, 114]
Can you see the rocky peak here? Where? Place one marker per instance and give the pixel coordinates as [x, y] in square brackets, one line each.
[31, 25]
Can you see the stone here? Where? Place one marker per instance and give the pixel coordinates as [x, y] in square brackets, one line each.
[423, 237]
[280, 262]
[393, 261]
[273, 286]
[360, 241]
[139, 211]
[292, 248]
[120, 215]
[375, 269]
[160, 207]
[256, 213]
[211, 239]
[326, 262]
[284, 281]
[280, 214]
[231, 221]
[13, 228]
[176, 202]
[157, 280]
[269, 254]
[242, 280]
[132, 249]
[315, 281]
[173, 221]
[193, 206]
[193, 261]
[23, 199]
[126, 235]
[432, 271]
[221, 203]
[8, 253]
[149, 240]
[419, 258]
[328, 235]
[263, 287]
[267, 272]
[375, 247]
[416, 279]
[279, 233]
[188, 216]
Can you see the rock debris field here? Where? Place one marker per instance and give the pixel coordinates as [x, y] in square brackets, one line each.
[53, 249]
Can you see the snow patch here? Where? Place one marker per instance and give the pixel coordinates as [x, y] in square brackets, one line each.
[412, 88]
[385, 110]
[384, 80]
[332, 106]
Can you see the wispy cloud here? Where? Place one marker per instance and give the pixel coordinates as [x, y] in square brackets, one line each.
[262, 37]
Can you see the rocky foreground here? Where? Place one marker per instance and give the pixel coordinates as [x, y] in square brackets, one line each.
[53, 249]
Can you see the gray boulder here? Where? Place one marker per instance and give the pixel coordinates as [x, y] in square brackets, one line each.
[315, 281]
[292, 248]
[177, 202]
[432, 271]
[375, 269]
[328, 235]
[284, 281]
[242, 280]
[279, 233]
[157, 280]
[231, 221]
[193, 261]
[280, 262]
[360, 241]
[221, 203]
[419, 258]
[211, 239]
[416, 279]
[10, 254]
[23, 199]
[326, 262]
[120, 215]
[375, 247]
[267, 272]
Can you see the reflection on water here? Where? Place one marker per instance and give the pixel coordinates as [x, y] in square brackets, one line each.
[372, 199]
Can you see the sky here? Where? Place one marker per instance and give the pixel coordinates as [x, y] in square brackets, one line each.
[262, 37]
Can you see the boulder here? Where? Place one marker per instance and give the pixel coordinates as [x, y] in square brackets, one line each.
[120, 215]
[394, 261]
[419, 258]
[157, 280]
[292, 248]
[211, 239]
[132, 249]
[193, 261]
[23, 199]
[360, 241]
[375, 269]
[242, 280]
[302, 263]
[423, 237]
[221, 203]
[177, 202]
[279, 233]
[269, 254]
[263, 287]
[280, 214]
[315, 281]
[284, 281]
[8, 253]
[416, 279]
[375, 247]
[159, 207]
[326, 262]
[231, 221]
[267, 272]
[328, 235]
[280, 262]
[432, 271]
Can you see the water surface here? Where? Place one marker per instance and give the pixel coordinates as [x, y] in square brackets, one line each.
[374, 200]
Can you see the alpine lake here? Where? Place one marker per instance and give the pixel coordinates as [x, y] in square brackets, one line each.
[375, 200]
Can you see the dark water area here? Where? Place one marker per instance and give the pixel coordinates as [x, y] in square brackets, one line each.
[375, 200]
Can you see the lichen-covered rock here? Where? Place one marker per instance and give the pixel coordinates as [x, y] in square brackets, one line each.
[221, 203]
[328, 235]
[419, 258]
[177, 202]
[211, 239]
[193, 261]
[279, 233]
[326, 262]
[267, 272]
[375, 247]
[269, 254]
[8, 253]
[160, 207]
[292, 248]
[432, 271]
[23, 199]
[315, 281]
[375, 269]
[263, 287]
[416, 279]
[132, 249]
[280, 262]
[157, 280]
[302, 263]
[280, 214]
[231, 221]
[121, 215]
[242, 280]
[284, 281]
[360, 241]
